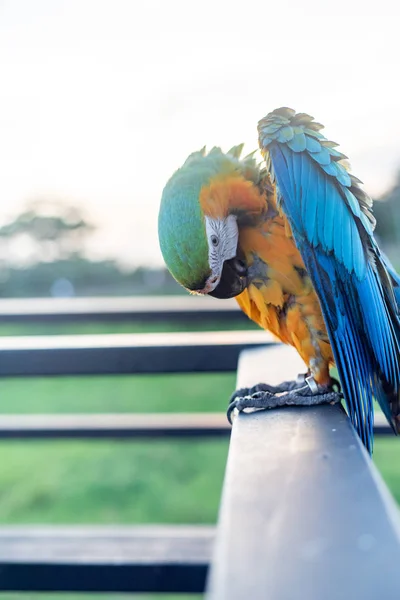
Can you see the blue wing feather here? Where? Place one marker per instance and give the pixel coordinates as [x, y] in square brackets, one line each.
[312, 144]
[357, 286]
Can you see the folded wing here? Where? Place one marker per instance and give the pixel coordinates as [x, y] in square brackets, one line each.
[332, 225]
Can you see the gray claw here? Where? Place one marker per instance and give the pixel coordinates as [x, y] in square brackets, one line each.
[311, 394]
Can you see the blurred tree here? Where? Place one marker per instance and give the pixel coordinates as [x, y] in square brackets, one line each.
[42, 253]
[57, 230]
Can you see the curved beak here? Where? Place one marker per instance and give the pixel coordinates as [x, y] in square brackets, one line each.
[233, 279]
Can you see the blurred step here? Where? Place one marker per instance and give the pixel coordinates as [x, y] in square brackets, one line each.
[126, 353]
[127, 426]
[105, 559]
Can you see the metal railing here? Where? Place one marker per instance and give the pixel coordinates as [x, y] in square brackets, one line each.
[299, 490]
[304, 513]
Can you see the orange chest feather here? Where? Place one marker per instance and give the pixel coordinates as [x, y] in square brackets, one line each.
[273, 260]
[280, 296]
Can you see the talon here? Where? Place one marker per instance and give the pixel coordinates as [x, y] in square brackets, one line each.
[239, 394]
[258, 400]
[230, 410]
[238, 403]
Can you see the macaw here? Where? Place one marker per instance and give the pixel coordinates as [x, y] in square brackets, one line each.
[292, 239]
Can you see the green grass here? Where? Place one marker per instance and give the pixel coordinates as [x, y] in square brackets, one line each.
[106, 482]
[142, 393]
[387, 459]
[111, 482]
[118, 327]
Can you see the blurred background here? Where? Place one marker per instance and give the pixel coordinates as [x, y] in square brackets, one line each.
[100, 102]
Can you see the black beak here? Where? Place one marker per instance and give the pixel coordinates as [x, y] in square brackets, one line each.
[233, 279]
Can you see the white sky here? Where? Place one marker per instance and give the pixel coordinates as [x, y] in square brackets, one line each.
[100, 101]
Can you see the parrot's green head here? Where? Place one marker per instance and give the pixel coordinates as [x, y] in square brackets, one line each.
[197, 224]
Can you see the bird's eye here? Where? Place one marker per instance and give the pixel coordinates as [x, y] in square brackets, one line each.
[214, 240]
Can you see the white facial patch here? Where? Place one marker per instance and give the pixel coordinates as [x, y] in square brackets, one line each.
[222, 236]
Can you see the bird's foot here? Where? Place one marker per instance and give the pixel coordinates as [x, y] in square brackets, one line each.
[304, 391]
